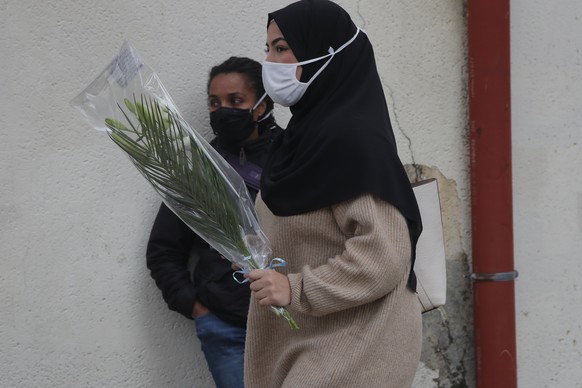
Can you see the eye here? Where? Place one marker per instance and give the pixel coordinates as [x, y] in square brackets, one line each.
[281, 49]
[213, 103]
[278, 48]
[237, 101]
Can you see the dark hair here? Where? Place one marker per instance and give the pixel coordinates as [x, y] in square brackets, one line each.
[253, 72]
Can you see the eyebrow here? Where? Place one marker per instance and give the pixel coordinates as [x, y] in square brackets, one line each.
[276, 40]
[230, 95]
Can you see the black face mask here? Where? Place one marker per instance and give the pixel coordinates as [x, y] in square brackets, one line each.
[232, 126]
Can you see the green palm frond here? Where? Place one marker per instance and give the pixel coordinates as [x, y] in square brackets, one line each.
[163, 150]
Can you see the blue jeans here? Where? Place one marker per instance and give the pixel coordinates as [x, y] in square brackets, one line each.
[224, 347]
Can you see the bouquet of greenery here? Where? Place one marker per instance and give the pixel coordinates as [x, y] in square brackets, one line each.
[128, 101]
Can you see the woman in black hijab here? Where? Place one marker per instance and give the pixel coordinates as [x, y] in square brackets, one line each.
[336, 203]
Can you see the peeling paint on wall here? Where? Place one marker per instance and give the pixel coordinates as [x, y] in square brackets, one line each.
[448, 352]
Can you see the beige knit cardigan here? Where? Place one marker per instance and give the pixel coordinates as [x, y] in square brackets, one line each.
[360, 326]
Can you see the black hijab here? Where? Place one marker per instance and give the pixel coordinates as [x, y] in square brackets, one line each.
[339, 142]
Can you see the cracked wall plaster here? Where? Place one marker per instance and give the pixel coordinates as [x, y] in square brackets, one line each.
[448, 351]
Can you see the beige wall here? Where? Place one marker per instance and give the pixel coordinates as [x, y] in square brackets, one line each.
[547, 164]
[77, 304]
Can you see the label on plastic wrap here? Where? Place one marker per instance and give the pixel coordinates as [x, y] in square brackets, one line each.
[126, 66]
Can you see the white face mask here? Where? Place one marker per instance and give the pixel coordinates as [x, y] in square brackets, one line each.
[280, 79]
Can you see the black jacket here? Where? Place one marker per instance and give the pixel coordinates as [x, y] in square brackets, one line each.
[171, 243]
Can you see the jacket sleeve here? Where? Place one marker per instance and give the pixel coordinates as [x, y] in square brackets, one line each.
[375, 260]
[167, 255]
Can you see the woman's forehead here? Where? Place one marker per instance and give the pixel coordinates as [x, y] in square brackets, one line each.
[229, 83]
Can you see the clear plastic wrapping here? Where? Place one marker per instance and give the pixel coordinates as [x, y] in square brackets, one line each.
[129, 102]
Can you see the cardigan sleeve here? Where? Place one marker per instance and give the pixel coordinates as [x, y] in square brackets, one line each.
[375, 259]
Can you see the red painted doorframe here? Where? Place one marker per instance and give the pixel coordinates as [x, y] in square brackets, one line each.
[491, 193]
